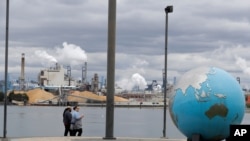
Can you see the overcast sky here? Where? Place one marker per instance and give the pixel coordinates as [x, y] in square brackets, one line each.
[70, 32]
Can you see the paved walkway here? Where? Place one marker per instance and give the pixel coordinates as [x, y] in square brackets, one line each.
[87, 139]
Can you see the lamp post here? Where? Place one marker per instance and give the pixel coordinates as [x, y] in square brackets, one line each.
[110, 70]
[168, 9]
[6, 69]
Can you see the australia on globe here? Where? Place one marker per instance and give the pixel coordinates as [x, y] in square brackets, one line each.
[206, 101]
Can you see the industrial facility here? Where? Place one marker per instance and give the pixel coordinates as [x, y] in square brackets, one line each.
[55, 77]
[58, 81]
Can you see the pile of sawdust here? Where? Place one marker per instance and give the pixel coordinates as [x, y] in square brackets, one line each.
[120, 99]
[83, 96]
[19, 92]
[38, 95]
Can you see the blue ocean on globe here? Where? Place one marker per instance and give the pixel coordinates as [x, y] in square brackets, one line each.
[206, 101]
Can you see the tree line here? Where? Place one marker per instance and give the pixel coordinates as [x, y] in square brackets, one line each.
[13, 96]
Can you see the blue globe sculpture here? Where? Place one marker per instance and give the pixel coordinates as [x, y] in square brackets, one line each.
[206, 101]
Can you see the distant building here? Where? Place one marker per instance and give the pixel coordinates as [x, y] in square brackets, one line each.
[2, 85]
[55, 76]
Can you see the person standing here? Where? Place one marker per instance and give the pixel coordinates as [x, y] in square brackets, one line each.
[67, 117]
[77, 121]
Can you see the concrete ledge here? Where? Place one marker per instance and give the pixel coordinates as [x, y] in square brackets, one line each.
[87, 139]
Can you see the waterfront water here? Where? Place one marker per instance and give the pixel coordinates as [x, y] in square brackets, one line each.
[40, 121]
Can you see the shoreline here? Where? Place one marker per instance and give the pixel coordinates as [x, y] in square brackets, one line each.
[127, 104]
[102, 104]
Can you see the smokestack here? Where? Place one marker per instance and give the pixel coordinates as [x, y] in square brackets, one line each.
[95, 83]
[84, 73]
[85, 77]
[69, 74]
[22, 72]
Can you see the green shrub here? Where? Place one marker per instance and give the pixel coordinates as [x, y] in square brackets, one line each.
[1, 96]
[18, 97]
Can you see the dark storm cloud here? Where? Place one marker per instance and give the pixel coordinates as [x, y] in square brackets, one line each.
[193, 26]
[204, 32]
[206, 25]
[46, 23]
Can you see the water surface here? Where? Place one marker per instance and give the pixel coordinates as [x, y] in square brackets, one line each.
[40, 121]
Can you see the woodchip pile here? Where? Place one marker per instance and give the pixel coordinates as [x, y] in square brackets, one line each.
[38, 95]
[92, 96]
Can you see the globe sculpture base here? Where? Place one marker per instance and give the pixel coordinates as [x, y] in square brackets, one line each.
[195, 137]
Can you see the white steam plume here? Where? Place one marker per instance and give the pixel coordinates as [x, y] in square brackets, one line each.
[136, 80]
[71, 54]
[44, 55]
[242, 63]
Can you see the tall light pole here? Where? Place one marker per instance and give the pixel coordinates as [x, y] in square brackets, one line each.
[6, 69]
[110, 70]
[168, 9]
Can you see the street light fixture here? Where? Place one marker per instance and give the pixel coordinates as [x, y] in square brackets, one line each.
[168, 9]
